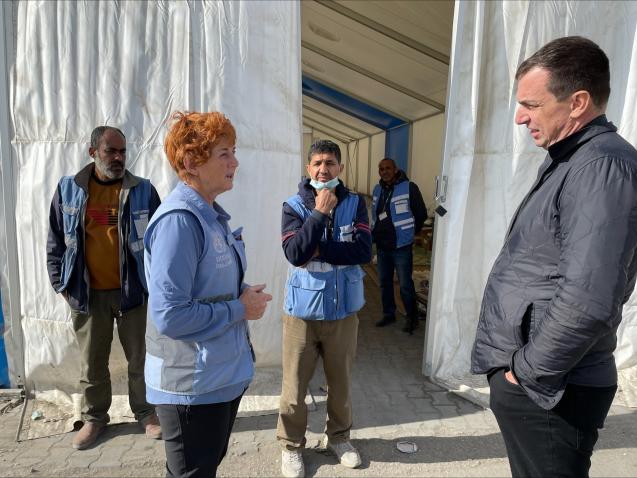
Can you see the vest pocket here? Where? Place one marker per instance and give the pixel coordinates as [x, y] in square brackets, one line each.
[354, 290]
[305, 297]
[219, 349]
[140, 222]
[70, 219]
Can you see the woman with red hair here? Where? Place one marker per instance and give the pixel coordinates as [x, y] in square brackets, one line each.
[199, 360]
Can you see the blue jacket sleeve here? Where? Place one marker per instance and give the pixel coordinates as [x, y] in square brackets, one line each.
[300, 239]
[359, 251]
[175, 245]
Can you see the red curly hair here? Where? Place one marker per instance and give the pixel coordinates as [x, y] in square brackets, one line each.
[194, 135]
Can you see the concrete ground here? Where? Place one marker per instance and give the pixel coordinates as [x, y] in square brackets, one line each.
[392, 402]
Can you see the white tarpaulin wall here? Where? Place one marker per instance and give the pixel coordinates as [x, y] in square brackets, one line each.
[75, 65]
[491, 162]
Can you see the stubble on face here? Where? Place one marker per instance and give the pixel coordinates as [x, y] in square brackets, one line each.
[113, 169]
[110, 156]
[324, 167]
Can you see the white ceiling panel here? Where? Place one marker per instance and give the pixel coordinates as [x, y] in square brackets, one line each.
[329, 31]
[312, 105]
[428, 22]
[375, 93]
[390, 54]
[334, 132]
[326, 121]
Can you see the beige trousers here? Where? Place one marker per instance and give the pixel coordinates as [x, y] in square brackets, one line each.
[303, 342]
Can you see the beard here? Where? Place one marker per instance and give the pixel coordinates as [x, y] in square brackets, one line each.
[111, 170]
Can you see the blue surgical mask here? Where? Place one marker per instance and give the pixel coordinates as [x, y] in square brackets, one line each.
[318, 185]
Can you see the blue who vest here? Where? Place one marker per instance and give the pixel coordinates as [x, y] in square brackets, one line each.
[73, 200]
[201, 366]
[401, 215]
[319, 290]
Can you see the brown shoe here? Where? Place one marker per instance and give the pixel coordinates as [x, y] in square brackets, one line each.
[151, 426]
[87, 435]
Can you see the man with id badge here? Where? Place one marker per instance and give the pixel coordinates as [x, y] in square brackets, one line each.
[398, 214]
[325, 236]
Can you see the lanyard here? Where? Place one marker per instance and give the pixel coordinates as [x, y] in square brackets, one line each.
[384, 200]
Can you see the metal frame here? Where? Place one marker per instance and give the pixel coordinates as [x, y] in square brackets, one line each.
[342, 123]
[336, 136]
[320, 123]
[371, 75]
[356, 97]
[8, 194]
[383, 30]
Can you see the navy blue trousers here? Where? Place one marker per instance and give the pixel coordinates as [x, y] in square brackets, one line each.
[402, 261]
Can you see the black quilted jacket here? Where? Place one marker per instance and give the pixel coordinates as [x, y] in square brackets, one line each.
[553, 301]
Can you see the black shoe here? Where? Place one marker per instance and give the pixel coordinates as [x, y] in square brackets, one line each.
[385, 321]
[411, 325]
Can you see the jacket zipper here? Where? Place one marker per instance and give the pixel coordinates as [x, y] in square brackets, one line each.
[87, 278]
[123, 196]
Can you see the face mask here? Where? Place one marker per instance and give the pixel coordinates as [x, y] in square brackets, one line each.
[318, 185]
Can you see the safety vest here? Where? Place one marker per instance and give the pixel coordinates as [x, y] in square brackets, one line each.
[73, 200]
[401, 215]
[319, 290]
[188, 367]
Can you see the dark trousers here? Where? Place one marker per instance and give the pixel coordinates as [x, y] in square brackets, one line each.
[402, 260]
[557, 442]
[196, 437]
[94, 333]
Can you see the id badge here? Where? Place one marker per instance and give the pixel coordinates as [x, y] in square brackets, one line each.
[382, 216]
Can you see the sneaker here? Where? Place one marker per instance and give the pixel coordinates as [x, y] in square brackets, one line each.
[347, 455]
[151, 427]
[87, 435]
[387, 320]
[292, 464]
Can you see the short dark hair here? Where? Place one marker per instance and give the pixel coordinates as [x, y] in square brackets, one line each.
[323, 146]
[98, 132]
[388, 159]
[574, 63]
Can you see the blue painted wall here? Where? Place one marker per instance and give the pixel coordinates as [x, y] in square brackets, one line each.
[4, 369]
[396, 130]
[397, 145]
[349, 105]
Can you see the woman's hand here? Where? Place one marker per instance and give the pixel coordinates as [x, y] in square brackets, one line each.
[255, 300]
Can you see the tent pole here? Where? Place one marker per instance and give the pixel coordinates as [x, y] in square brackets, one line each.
[15, 351]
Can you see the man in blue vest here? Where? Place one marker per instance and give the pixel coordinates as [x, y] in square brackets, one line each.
[95, 257]
[325, 236]
[398, 214]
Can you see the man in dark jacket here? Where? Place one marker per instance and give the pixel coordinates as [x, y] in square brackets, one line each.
[398, 214]
[95, 260]
[553, 301]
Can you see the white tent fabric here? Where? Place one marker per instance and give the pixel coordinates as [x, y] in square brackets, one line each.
[491, 163]
[77, 65]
